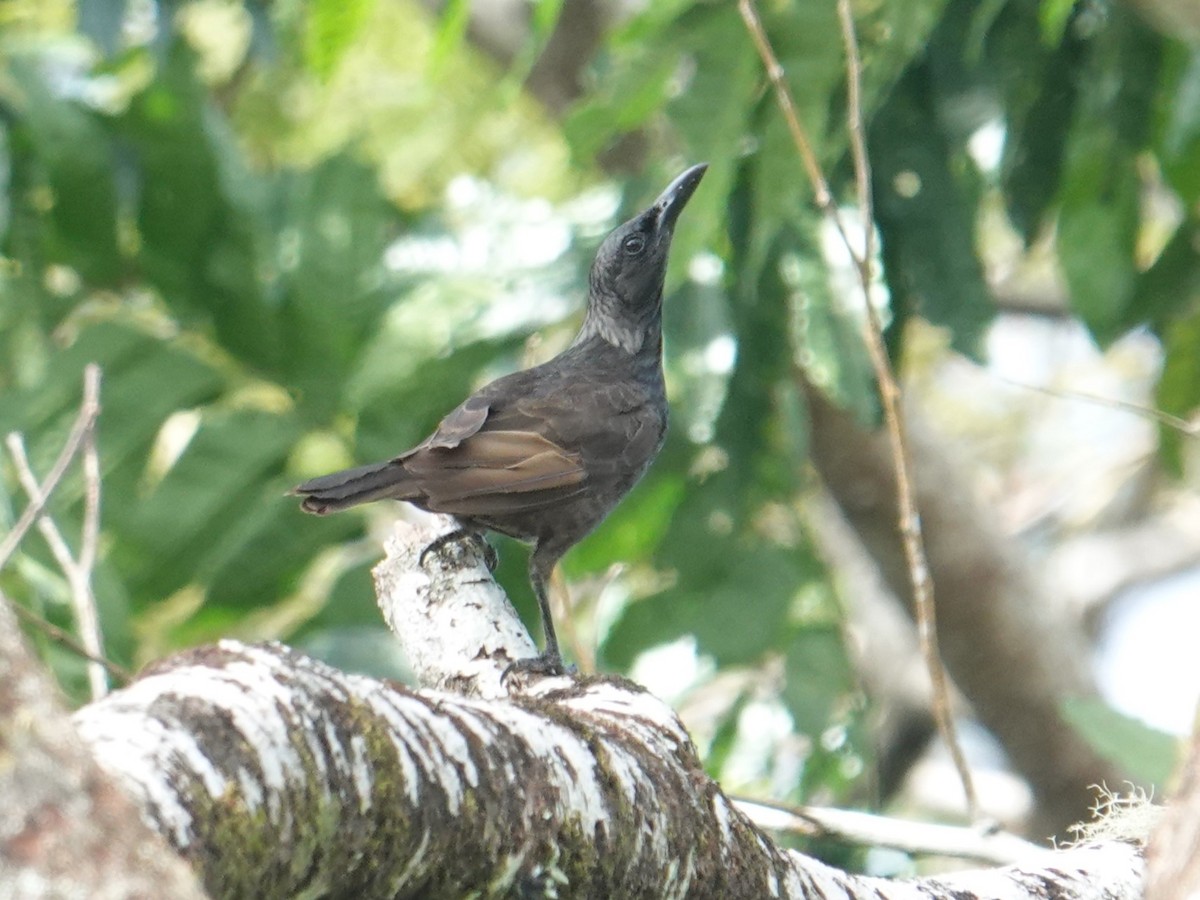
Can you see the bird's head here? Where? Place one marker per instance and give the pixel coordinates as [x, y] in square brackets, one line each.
[626, 280]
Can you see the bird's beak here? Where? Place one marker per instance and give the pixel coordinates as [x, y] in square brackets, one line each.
[670, 203]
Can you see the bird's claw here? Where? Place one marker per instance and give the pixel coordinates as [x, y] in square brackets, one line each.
[547, 665]
[490, 558]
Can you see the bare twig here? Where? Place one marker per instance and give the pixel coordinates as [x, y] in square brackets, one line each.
[1183, 426]
[83, 423]
[83, 602]
[78, 572]
[90, 535]
[909, 518]
[85, 597]
[862, 162]
[59, 636]
[869, 830]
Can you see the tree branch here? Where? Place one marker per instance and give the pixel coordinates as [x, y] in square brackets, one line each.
[249, 757]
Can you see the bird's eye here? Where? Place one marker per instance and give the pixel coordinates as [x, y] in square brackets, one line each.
[635, 243]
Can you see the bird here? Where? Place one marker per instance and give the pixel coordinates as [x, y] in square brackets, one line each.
[543, 455]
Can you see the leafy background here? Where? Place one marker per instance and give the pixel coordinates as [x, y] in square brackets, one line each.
[295, 234]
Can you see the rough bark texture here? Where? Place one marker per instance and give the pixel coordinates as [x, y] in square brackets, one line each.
[279, 776]
[1173, 855]
[1006, 644]
[67, 830]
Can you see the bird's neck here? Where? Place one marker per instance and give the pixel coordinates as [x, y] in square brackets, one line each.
[634, 334]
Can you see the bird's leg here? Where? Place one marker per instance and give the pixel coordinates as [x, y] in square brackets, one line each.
[550, 662]
[489, 552]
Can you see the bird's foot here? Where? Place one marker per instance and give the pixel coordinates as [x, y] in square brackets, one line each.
[490, 559]
[548, 664]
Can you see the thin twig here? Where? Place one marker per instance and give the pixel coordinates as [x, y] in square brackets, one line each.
[89, 542]
[1183, 426]
[78, 572]
[909, 519]
[58, 635]
[870, 830]
[83, 423]
[862, 162]
[90, 534]
[83, 602]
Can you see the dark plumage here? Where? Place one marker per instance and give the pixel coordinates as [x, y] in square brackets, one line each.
[543, 455]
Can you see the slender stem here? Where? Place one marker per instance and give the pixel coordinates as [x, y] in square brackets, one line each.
[83, 422]
[1183, 426]
[909, 520]
[871, 830]
[58, 635]
[78, 572]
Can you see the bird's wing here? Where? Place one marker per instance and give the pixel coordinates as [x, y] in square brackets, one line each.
[495, 457]
[486, 461]
[459, 424]
[626, 432]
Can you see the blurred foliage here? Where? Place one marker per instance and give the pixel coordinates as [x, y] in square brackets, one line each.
[295, 234]
[1149, 755]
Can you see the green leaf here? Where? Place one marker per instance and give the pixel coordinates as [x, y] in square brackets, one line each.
[926, 217]
[334, 228]
[734, 579]
[199, 215]
[1097, 229]
[257, 559]
[891, 36]
[1148, 754]
[1179, 386]
[737, 605]
[452, 27]
[64, 165]
[1035, 146]
[712, 116]
[632, 96]
[1179, 140]
[1053, 16]
[1170, 287]
[545, 17]
[219, 508]
[332, 27]
[818, 677]
[1099, 215]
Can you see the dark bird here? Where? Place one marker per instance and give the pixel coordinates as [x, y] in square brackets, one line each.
[545, 454]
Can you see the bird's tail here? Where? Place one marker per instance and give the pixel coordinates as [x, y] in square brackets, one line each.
[350, 487]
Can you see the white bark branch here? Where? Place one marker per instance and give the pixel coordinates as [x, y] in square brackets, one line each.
[279, 776]
[1000, 848]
